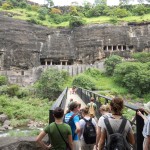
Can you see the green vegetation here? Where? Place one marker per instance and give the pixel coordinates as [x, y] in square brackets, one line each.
[75, 16]
[129, 80]
[51, 83]
[21, 111]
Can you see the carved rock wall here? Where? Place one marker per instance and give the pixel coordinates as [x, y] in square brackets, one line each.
[24, 45]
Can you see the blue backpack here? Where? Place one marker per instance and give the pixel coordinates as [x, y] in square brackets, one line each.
[69, 123]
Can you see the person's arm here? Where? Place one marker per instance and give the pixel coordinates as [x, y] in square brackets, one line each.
[70, 141]
[98, 136]
[76, 122]
[130, 138]
[102, 139]
[148, 139]
[41, 143]
[77, 131]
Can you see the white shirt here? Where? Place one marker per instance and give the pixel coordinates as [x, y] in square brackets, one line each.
[82, 124]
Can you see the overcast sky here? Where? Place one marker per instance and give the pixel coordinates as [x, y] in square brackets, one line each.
[68, 2]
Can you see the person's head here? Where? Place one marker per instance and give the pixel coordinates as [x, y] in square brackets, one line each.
[117, 105]
[147, 107]
[74, 106]
[58, 112]
[92, 99]
[104, 109]
[85, 111]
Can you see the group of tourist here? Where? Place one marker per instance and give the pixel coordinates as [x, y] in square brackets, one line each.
[70, 132]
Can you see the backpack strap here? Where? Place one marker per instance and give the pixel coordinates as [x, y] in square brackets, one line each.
[108, 126]
[72, 117]
[122, 126]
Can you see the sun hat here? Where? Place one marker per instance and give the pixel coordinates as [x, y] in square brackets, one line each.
[147, 107]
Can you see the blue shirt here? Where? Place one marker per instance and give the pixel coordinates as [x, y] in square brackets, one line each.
[72, 124]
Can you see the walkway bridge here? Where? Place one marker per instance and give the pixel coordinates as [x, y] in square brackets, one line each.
[83, 96]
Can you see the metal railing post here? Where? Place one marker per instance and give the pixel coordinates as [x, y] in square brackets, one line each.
[139, 129]
[51, 118]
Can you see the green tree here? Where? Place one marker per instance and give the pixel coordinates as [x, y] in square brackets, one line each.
[50, 84]
[84, 81]
[111, 62]
[134, 76]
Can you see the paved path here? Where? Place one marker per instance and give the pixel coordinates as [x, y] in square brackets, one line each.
[75, 97]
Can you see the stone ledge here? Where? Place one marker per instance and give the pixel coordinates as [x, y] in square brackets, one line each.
[19, 143]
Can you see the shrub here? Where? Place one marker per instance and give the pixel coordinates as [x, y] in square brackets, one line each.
[12, 90]
[41, 17]
[139, 10]
[134, 76]
[141, 57]
[120, 13]
[22, 92]
[50, 84]
[23, 4]
[93, 72]
[7, 6]
[3, 80]
[113, 20]
[111, 62]
[84, 82]
[76, 21]
[35, 8]
[43, 11]
[33, 20]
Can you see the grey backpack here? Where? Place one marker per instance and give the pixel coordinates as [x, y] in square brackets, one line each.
[116, 141]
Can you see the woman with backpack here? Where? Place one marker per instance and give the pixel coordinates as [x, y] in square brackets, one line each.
[105, 113]
[88, 130]
[116, 130]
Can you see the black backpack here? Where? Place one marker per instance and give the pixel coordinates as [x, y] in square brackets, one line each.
[89, 133]
[116, 141]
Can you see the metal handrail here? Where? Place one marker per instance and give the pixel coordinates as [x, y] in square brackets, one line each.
[85, 95]
[60, 102]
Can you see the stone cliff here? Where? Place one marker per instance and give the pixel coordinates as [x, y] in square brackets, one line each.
[24, 45]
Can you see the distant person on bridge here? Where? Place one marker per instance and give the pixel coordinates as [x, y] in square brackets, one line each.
[71, 100]
[59, 133]
[73, 120]
[146, 128]
[73, 90]
[92, 107]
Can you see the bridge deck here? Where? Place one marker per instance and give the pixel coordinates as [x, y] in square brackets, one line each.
[75, 97]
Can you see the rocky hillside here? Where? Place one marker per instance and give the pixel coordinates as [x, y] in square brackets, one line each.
[24, 45]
